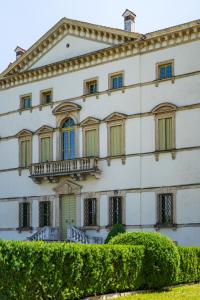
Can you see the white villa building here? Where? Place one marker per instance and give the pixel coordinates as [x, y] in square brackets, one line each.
[100, 126]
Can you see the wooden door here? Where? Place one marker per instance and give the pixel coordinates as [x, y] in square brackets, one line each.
[67, 213]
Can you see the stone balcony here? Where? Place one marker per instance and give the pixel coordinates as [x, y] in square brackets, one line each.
[77, 169]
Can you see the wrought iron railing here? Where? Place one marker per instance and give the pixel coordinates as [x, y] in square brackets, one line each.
[45, 234]
[76, 235]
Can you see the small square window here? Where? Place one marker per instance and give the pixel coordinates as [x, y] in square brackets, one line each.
[46, 97]
[116, 81]
[26, 102]
[91, 87]
[165, 70]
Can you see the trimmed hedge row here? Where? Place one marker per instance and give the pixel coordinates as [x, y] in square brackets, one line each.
[189, 264]
[161, 260]
[38, 270]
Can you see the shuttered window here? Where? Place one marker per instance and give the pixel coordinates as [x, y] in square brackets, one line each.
[165, 133]
[45, 213]
[115, 210]
[45, 149]
[24, 215]
[91, 142]
[90, 212]
[166, 209]
[116, 140]
[25, 153]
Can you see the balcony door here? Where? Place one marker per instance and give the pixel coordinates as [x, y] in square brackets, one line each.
[68, 139]
[67, 214]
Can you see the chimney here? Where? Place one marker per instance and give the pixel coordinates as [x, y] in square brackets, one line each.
[129, 20]
[19, 52]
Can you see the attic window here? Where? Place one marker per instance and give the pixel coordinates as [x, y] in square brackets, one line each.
[46, 96]
[26, 101]
[91, 86]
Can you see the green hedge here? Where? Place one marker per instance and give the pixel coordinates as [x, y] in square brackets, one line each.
[189, 264]
[38, 270]
[161, 261]
[116, 229]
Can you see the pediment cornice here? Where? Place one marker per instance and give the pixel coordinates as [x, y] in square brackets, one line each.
[66, 107]
[164, 108]
[66, 187]
[44, 129]
[90, 121]
[115, 116]
[24, 133]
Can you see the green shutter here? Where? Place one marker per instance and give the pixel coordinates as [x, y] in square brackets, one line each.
[168, 132]
[165, 133]
[115, 140]
[45, 149]
[91, 142]
[25, 153]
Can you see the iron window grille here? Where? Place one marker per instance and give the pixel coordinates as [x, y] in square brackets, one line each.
[115, 210]
[24, 215]
[166, 209]
[90, 212]
[45, 213]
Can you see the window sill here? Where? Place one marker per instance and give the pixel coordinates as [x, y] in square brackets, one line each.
[121, 156]
[45, 105]
[91, 227]
[159, 152]
[22, 229]
[25, 109]
[172, 226]
[91, 95]
[122, 89]
[158, 80]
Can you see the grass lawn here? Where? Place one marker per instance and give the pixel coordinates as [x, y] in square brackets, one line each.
[186, 292]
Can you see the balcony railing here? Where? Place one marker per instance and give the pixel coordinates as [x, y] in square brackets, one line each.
[76, 168]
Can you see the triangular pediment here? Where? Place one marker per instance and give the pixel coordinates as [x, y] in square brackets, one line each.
[164, 107]
[24, 133]
[67, 187]
[67, 39]
[66, 107]
[115, 117]
[44, 129]
[90, 121]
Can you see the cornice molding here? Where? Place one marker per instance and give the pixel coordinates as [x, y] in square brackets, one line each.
[151, 42]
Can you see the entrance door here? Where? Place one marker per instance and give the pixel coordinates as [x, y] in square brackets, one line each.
[67, 213]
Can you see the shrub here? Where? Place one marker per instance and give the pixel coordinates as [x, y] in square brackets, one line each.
[189, 264]
[38, 270]
[116, 229]
[161, 262]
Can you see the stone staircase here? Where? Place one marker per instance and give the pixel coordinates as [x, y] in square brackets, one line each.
[46, 233]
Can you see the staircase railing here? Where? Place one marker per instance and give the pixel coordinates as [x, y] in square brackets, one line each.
[45, 234]
[76, 235]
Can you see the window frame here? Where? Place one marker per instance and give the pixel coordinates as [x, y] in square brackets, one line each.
[162, 64]
[22, 98]
[110, 218]
[22, 136]
[86, 214]
[159, 209]
[87, 125]
[85, 86]
[29, 216]
[45, 132]
[115, 74]
[50, 213]
[164, 111]
[42, 92]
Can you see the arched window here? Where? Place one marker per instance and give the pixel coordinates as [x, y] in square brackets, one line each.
[68, 139]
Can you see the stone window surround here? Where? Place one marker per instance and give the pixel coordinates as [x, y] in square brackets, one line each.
[85, 89]
[41, 98]
[20, 229]
[110, 75]
[21, 108]
[166, 191]
[24, 135]
[89, 124]
[163, 111]
[158, 65]
[45, 132]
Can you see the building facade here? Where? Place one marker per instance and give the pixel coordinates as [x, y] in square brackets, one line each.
[100, 126]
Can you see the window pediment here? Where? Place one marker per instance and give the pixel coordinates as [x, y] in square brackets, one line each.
[115, 117]
[66, 108]
[44, 129]
[164, 108]
[90, 121]
[24, 133]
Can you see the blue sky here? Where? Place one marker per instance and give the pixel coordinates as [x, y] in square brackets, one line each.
[22, 22]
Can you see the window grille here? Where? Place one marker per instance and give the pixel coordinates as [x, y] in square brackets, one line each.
[24, 215]
[45, 213]
[115, 210]
[166, 209]
[90, 212]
